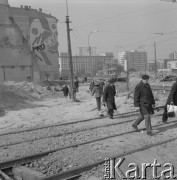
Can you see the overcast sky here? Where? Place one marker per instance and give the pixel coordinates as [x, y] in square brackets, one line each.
[122, 24]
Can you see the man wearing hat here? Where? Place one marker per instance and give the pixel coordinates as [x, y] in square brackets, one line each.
[109, 99]
[144, 100]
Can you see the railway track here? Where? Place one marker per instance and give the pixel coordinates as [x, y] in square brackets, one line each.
[162, 88]
[28, 159]
[126, 114]
[75, 172]
[85, 128]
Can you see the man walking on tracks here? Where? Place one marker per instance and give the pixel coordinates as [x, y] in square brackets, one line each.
[109, 99]
[144, 100]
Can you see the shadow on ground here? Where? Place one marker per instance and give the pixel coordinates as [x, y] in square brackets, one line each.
[167, 127]
[11, 101]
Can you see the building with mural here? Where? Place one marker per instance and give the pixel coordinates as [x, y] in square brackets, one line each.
[28, 44]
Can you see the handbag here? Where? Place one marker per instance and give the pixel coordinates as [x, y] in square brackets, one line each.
[171, 114]
[171, 109]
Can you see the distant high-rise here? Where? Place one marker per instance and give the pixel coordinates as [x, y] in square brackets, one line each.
[173, 55]
[134, 59]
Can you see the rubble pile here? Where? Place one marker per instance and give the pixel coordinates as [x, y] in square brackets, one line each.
[12, 92]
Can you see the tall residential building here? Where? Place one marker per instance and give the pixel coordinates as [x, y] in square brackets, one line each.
[121, 58]
[133, 59]
[84, 65]
[173, 55]
[28, 44]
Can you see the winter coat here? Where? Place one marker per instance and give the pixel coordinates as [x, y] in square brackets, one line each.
[91, 85]
[102, 85]
[65, 91]
[143, 96]
[76, 83]
[97, 91]
[108, 96]
[173, 95]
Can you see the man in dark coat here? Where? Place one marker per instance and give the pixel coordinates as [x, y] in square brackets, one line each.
[144, 100]
[76, 84]
[172, 99]
[65, 90]
[109, 99]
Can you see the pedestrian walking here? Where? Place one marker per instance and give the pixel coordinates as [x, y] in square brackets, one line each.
[109, 98]
[172, 99]
[76, 84]
[65, 90]
[102, 86]
[91, 86]
[144, 101]
[98, 93]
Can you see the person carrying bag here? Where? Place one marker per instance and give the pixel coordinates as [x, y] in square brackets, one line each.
[171, 102]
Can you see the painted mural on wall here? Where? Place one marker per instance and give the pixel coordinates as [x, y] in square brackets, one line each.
[11, 35]
[44, 40]
[14, 48]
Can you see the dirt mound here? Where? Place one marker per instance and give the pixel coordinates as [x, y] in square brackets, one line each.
[12, 93]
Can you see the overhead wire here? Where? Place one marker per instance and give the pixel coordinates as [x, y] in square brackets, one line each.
[105, 19]
[161, 41]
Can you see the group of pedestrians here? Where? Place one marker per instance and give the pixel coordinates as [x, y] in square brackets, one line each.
[67, 89]
[143, 101]
[105, 94]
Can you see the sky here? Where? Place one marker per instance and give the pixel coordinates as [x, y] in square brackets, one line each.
[121, 25]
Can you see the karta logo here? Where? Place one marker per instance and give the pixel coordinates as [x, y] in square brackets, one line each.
[113, 170]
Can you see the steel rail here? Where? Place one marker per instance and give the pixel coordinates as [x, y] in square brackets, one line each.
[30, 158]
[69, 123]
[79, 170]
[72, 132]
[166, 88]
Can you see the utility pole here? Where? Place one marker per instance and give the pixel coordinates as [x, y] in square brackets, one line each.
[70, 55]
[155, 56]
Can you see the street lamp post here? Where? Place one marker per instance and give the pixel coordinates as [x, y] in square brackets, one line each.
[155, 56]
[89, 40]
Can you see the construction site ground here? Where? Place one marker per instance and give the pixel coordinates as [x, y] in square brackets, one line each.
[26, 105]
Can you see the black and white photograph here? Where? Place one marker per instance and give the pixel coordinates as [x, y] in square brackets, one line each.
[88, 89]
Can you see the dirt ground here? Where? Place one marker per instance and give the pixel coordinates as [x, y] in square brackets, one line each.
[23, 111]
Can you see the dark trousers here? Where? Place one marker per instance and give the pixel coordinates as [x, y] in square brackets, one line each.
[110, 112]
[147, 118]
[98, 102]
[165, 115]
